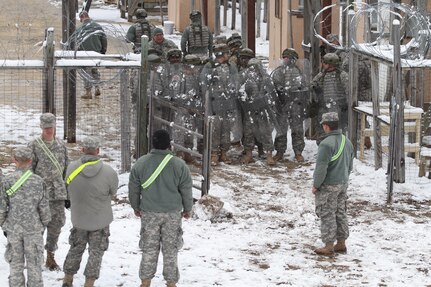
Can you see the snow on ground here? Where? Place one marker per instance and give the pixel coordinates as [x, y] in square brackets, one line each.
[267, 231]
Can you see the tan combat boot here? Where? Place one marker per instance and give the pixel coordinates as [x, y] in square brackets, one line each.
[50, 262]
[214, 158]
[278, 156]
[269, 159]
[146, 283]
[340, 247]
[328, 250]
[87, 95]
[171, 284]
[299, 157]
[67, 280]
[248, 157]
[89, 282]
[224, 157]
[97, 92]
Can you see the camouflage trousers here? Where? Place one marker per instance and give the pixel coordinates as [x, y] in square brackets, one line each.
[222, 126]
[25, 249]
[331, 208]
[92, 74]
[257, 127]
[160, 230]
[98, 243]
[292, 117]
[57, 222]
[189, 122]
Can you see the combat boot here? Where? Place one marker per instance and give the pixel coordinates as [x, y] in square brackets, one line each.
[214, 158]
[146, 283]
[50, 262]
[67, 280]
[224, 157]
[269, 159]
[328, 250]
[299, 157]
[340, 247]
[248, 157]
[260, 151]
[171, 284]
[97, 92]
[89, 282]
[278, 156]
[87, 95]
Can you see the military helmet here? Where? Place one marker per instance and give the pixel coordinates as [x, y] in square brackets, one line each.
[331, 58]
[246, 53]
[234, 40]
[174, 53]
[191, 59]
[289, 53]
[195, 14]
[154, 51]
[141, 13]
[220, 49]
[154, 59]
[253, 62]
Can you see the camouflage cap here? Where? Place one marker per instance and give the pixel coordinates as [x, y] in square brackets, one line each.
[234, 40]
[174, 53]
[23, 154]
[90, 143]
[195, 14]
[47, 120]
[289, 53]
[141, 13]
[153, 58]
[191, 59]
[157, 30]
[331, 58]
[154, 51]
[220, 49]
[253, 62]
[329, 117]
[220, 39]
[246, 53]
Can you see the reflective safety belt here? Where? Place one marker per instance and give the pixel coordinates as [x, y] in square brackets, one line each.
[79, 169]
[158, 170]
[20, 182]
[340, 149]
[50, 155]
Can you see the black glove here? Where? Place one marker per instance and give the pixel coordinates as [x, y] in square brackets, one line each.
[67, 204]
[4, 233]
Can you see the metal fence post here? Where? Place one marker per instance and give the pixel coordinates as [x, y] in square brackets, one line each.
[141, 125]
[48, 73]
[125, 107]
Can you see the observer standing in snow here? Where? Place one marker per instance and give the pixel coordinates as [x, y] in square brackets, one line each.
[91, 185]
[330, 180]
[24, 215]
[160, 192]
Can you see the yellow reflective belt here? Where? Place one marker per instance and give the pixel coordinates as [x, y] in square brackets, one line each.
[19, 182]
[50, 155]
[79, 169]
[158, 170]
[340, 149]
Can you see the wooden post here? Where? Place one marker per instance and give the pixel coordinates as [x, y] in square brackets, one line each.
[48, 74]
[161, 12]
[399, 175]
[265, 11]
[232, 25]
[268, 21]
[251, 25]
[290, 24]
[258, 21]
[374, 71]
[225, 13]
[125, 106]
[244, 26]
[204, 5]
[217, 19]
[141, 125]
[353, 93]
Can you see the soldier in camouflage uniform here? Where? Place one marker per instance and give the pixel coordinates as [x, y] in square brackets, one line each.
[161, 44]
[255, 94]
[220, 80]
[330, 180]
[160, 204]
[91, 185]
[24, 215]
[197, 38]
[292, 93]
[137, 30]
[234, 43]
[50, 160]
[330, 89]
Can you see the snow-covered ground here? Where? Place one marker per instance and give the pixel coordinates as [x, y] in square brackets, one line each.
[267, 231]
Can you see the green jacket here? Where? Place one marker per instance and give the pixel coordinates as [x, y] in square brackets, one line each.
[171, 191]
[91, 37]
[335, 172]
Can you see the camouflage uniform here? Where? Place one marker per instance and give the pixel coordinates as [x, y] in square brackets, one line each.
[197, 38]
[24, 215]
[162, 47]
[235, 45]
[221, 81]
[138, 29]
[290, 86]
[50, 160]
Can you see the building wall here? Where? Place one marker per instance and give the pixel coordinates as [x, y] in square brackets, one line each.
[179, 10]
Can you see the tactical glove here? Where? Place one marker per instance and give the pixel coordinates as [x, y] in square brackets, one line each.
[67, 204]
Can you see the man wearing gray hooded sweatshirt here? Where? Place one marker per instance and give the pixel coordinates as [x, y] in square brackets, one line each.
[91, 185]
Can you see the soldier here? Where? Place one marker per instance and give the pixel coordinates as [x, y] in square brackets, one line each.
[330, 180]
[50, 160]
[24, 215]
[197, 38]
[335, 47]
[137, 30]
[91, 185]
[90, 36]
[255, 98]
[292, 94]
[234, 43]
[161, 44]
[330, 89]
[220, 80]
[160, 193]
[243, 57]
